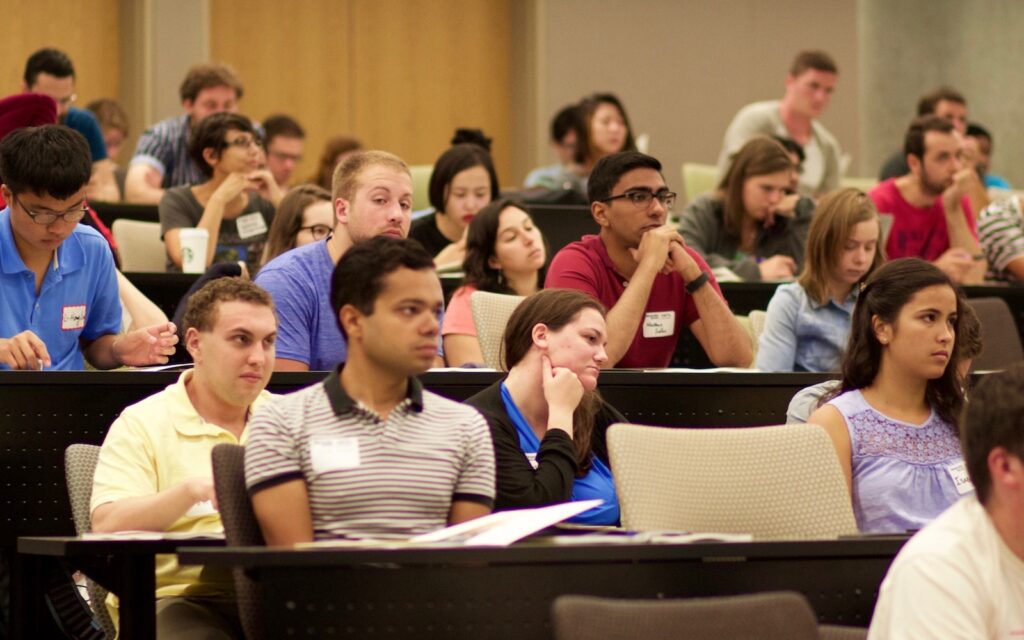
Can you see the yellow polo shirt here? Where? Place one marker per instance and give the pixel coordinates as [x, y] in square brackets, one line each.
[154, 445]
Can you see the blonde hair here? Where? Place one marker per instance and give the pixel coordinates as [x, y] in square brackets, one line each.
[345, 181]
[833, 221]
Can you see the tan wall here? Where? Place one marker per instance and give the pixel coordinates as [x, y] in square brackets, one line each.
[684, 68]
[398, 74]
[77, 28]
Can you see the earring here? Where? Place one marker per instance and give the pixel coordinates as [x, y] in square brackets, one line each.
[501, 277]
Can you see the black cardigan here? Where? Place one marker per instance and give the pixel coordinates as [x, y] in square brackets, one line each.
[518, 484]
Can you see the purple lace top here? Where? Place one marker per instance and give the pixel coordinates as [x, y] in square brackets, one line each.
[904, 475]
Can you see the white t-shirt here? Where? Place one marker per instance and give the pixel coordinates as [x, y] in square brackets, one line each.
[955, 579]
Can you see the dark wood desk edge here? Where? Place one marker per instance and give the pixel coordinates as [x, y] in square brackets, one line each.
[72, 546]
[256, 557]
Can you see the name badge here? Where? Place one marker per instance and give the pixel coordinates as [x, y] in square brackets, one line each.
[332, 453]
[532, 459]
[250, 224]
[72, 317]
[659, 324]
[199, 509]
[958, 472]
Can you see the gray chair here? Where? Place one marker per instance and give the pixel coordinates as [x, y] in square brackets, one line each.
[775, 483]
[79, 469]
[241, 529]
[491, 312]
[762, 616]
[1000, 338]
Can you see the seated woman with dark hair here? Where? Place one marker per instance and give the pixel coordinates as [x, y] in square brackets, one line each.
[752, 224]
[547, 420]
[894, 420]
[236, 203]
[505, 253]
[463, 181]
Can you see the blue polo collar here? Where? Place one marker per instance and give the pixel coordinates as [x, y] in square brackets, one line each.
[70, 254]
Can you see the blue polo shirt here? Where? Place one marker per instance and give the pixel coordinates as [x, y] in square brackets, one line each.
[78, 298]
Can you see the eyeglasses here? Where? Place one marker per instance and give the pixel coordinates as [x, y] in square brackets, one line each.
[318, 231]
[642, 199]
[244, 142]
[71, 215]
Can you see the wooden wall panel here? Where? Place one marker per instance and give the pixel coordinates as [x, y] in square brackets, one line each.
[86, 31]
[293, 58]
[421, 68]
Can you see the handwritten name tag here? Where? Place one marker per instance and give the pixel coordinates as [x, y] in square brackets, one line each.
[958, 472]
[659, 324]
[249, 225]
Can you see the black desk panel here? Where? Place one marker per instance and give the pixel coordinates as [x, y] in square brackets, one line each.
[41, 413]
[507, 592]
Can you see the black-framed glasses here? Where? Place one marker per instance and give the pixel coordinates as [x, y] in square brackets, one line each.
[641, 198]
[71, 215]
[318, 231]
[245, 142]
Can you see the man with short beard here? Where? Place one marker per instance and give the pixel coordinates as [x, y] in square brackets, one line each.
[931, 214]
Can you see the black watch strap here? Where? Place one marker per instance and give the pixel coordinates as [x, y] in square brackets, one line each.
[698, 282]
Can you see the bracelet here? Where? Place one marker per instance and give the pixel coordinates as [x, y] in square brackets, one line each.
[697, 283]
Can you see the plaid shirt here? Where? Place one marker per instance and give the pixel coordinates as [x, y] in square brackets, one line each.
[164, 146]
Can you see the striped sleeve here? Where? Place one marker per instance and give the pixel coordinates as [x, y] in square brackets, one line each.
[476, 477]
[271, 451]
[1001, 233]
[156, 146]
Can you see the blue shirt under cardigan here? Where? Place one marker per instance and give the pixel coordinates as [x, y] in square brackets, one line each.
[597, 483]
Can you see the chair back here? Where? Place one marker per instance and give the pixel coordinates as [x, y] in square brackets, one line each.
[79, 469]
[420, 174]
[241, 529]
[698, 179]
[1000, 338]
[140, 245]
[775, 483]
[763, 616]
[491, 312]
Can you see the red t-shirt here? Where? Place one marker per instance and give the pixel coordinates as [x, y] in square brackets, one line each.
[585, 265]
[916, 232]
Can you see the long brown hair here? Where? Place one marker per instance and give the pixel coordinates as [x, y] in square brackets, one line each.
[288, 219]
[760, 156]
[556, 308]
[885, 292]
[833, 221]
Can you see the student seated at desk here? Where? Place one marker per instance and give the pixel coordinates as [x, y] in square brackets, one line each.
[234, 204]
[753, 225]
[962, 576]
[894, 421]
[505, 253]
[58, 285]
[547, 419]
[154, 471]
[463, 181]
[808, 321]
[369, 452]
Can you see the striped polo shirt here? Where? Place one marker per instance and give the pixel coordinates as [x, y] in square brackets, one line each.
[1001, 234]
[368, 477]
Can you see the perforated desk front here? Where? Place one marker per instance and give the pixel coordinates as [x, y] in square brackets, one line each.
[507, 592]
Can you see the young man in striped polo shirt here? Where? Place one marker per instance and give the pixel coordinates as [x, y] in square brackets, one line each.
[369, 452]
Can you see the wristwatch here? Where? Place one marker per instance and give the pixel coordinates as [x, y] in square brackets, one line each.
[697, 283]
